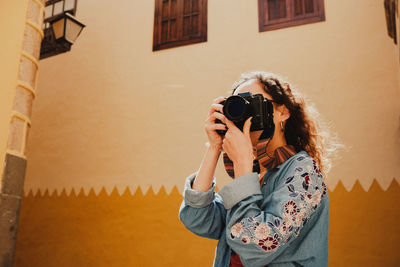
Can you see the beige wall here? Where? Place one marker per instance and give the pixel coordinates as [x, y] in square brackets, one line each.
[12, 25]
[112, 112]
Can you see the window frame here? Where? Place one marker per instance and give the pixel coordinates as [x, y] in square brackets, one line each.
[291, 20]
[158, 45]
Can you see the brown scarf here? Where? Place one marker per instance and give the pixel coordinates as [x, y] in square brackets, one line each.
[269, 162]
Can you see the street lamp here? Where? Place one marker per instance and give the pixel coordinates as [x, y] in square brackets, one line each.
[66, 28]
[60, 27]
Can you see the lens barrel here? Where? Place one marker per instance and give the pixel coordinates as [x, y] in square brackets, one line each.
[235, 108]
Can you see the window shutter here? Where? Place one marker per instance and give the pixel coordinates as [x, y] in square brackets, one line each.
[186, 17]
[276, 14]
[169, 20]
[179, 22]
[277, 9]
[191, 18]
[273, 11]
[309, 6]
[305, 8]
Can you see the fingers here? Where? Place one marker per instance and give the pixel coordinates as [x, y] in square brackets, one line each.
[216, 106]
[216, 126]
[233, 128]
[215, 115]
[246, 127]
[230, 124]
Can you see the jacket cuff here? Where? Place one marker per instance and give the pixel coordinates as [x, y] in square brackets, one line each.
[239, 189]
[195, 198]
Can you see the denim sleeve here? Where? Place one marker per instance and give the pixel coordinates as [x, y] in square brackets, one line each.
[203, 213]
[259, 235]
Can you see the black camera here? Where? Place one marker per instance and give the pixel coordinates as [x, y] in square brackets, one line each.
[238, 108]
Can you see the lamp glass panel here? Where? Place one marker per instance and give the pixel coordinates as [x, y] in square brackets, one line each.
[69, 4]
[58, 28]
[58, 8]
[49, 11]
[72, 30]
[45, 25]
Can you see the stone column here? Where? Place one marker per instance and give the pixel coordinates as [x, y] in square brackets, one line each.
[13, 174]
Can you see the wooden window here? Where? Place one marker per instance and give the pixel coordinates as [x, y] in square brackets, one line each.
[179, 22]
[276, 14]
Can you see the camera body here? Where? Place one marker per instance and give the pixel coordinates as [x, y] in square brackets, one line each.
[238, 108]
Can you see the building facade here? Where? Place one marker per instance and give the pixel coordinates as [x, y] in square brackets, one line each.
[117, 124]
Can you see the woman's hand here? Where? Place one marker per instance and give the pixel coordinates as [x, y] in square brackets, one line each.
[210, 126]
[238, 146]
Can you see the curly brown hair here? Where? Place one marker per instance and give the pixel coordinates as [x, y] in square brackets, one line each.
[303, 129]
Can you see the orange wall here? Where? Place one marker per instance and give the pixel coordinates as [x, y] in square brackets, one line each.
[144, 230]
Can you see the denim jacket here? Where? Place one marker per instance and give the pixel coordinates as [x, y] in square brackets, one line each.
[282, 222]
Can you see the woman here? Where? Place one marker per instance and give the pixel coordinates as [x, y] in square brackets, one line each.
[279, 216]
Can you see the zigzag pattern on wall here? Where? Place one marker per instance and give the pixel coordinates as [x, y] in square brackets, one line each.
[103, 192]
[150, 192]
[129, 229]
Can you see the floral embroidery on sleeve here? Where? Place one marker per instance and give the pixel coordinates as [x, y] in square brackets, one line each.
[295, 212]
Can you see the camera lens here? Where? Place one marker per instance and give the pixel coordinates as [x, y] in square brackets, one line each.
[234, 108]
